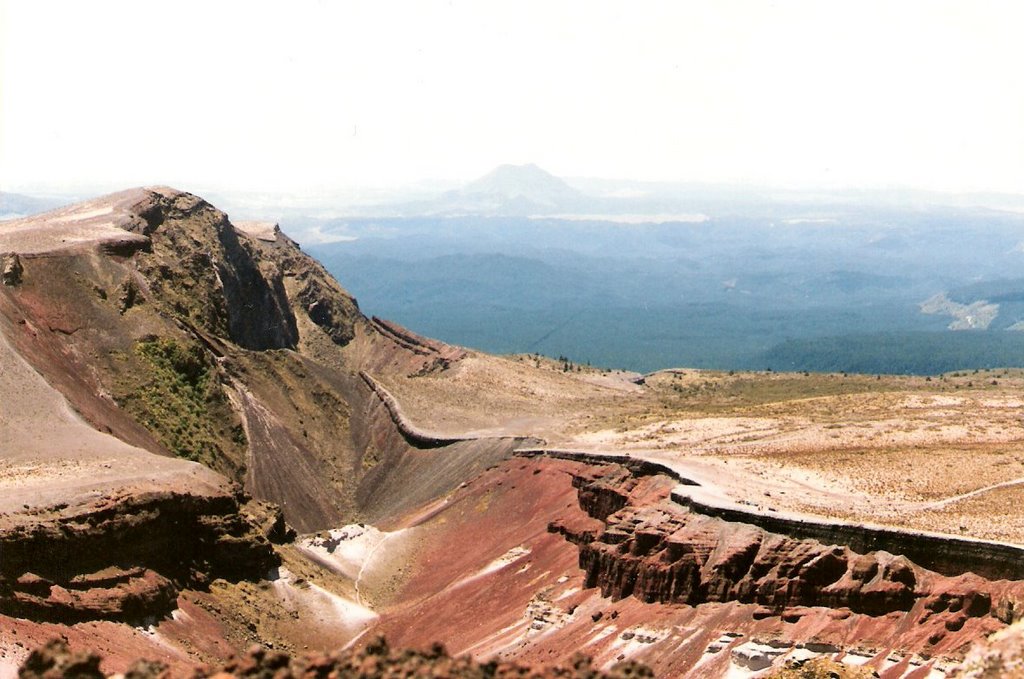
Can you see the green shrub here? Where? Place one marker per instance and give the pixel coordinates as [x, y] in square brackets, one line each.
[175, 397]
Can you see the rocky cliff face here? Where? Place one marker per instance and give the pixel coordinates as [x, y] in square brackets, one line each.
[126, 556]
[165, 325]
[198, 269]
[657, 551]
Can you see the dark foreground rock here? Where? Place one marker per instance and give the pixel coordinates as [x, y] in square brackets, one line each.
[126, 558]
[376, 660]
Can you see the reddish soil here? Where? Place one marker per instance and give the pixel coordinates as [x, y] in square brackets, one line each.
[495, 574]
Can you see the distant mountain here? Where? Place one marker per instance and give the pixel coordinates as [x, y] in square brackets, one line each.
[508, 190]
[519, 186]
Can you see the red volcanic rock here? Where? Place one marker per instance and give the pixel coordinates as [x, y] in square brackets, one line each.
[537, 605]
[603, 491]
[658, 551]
[116, 595]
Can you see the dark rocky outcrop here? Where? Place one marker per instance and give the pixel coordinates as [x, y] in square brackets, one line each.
[329, 312]
[309, 288]
[268, 519]
[126, 557]
[200, 268]
[12, 270]
[375, 660]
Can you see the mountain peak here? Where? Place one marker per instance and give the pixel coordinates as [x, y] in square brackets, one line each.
[512, 181]
[520, 171]
[519, 188]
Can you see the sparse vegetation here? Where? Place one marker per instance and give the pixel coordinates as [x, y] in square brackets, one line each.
[715, 392]
[180, 402]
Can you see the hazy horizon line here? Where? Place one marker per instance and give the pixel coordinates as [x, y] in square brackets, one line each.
[428, 185]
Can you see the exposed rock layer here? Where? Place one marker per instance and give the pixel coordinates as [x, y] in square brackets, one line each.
[658, 551]
[124, 558]
[947, 554]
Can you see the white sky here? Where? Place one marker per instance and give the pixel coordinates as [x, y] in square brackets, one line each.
[298, 95]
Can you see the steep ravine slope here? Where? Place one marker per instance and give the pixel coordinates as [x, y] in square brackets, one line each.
[188, 336]
[171, 364]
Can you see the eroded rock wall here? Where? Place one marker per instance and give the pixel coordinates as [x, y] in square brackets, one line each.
[946, 554]
[199, 267]
[657, 551]
[125, 557]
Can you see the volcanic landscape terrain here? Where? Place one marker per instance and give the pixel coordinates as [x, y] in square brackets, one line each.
[204, 445]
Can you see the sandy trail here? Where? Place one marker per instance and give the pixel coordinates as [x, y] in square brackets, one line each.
[942, 504]
[366, 563]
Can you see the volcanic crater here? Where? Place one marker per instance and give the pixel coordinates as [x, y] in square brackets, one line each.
[205, 445]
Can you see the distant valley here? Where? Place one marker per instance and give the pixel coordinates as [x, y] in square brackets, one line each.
[824, 283]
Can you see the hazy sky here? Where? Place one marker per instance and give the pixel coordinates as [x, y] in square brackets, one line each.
[292, 95]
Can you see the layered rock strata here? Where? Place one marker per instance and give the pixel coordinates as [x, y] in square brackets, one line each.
[657, 551]
[125, 557]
